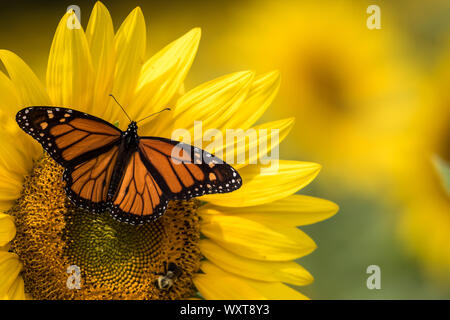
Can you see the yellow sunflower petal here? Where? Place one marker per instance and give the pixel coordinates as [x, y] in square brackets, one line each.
[9, 194]
[15, 144]
[164, 73]
[7, 229]
[255, 240]
[100, 35]
[6, 204]
[212, 102]
[100, 38]
[130, 47]
[277, 291]
[70, 74]
[30, 89]
[295, 210]
[269, 134]
[9, 101]
[261, 94]
[259, 188]
[289, 271]
[10, 188]
[10, 267]
[12, 172]
[216, 284]
[17, 290]
[22, 150]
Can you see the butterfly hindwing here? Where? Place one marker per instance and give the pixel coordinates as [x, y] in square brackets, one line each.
[138, 197]
[87, 183]
[184, 171]
[69, 136]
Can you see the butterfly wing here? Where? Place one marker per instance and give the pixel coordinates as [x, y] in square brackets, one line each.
[183, 171]
[86, 146]
[159, 170]
[162, 170]
[87, 183]
[69, 136]
[138, 197]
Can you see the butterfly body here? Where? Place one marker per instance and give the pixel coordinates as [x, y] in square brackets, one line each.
[128, 145]
[133, 177]
[130, 137]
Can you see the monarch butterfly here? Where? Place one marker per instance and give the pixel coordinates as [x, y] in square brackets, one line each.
[133, 177]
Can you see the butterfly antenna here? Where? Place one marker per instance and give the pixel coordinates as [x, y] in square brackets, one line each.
[121, 107]
[165, 109]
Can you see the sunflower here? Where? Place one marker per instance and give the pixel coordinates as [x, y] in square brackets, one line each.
[425, 222]
[350, 88]
[240, 245]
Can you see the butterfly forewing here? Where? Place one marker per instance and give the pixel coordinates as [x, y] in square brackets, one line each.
[184, 172]
[69, 136]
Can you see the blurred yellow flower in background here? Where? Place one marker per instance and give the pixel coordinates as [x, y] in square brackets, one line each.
[250, 236]
[350, 88]
[365, 103]
[423, 179]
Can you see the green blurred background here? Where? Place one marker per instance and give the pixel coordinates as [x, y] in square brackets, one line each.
[369, 105]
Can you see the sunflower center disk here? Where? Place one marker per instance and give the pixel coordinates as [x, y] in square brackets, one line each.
[115, 260]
